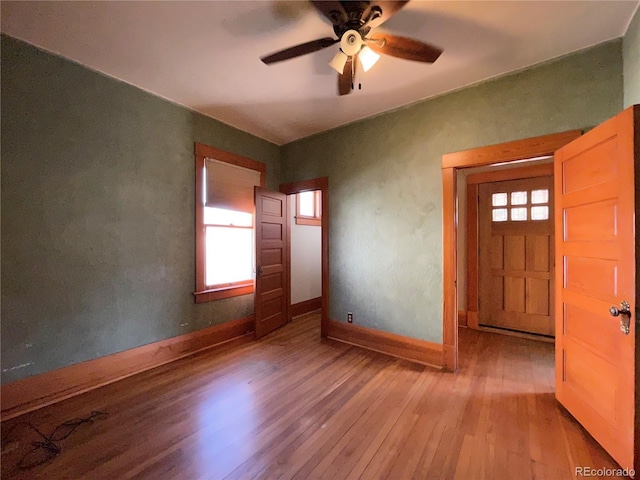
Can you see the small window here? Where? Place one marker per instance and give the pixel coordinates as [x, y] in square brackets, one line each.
[499, 199]
[519, 214]
[540, 213]
[309, 208]
[518, 198]
[540, 196]
[499, 214]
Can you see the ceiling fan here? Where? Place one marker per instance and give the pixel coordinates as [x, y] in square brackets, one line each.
[352, 23]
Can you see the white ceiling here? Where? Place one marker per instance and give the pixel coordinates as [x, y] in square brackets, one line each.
[205, 55]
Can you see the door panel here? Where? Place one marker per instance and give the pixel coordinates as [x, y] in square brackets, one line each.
[596, 277]
[595, 360]
[538, 253]
[595, 166]
[514, 294]
[584, 369]
[591, 221]
[516, 261]
[271, 261]
[537, 296]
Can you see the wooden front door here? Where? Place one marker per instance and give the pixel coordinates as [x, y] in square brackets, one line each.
[595, 247]
[515, 240]
[271, 261]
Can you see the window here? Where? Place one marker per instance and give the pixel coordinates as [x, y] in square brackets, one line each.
[540, 213]
[500, 215]
[308, 208]
[540, 204]
[521, 210]
[499, 199]
[229, 237]
[540, 196]
[518, 198]
[518, 214]
[224, 223]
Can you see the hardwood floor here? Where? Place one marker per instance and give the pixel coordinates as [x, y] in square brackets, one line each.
[293, 406]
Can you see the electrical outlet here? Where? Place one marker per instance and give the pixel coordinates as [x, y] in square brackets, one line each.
[349, 317]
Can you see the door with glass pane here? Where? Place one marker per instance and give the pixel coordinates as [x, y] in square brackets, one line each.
[515, 243]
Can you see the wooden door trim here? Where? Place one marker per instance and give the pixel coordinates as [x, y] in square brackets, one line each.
[636, 153]
[525, 171]
[473, 266]
[321, 184]
[500, 153]
[533, 147]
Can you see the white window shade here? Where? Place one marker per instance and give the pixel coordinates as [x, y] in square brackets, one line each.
[229, 186]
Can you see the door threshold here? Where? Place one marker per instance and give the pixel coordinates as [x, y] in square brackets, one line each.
[515, 333]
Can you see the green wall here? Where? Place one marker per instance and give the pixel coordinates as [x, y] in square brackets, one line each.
[97, 213]
[97, 197]
[631, 60]
[385, 179]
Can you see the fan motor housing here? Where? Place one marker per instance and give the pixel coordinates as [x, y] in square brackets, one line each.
[358, 14]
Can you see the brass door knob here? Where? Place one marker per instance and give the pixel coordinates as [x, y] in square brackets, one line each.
[624, 312]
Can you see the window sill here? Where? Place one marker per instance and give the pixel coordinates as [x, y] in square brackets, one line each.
[314, 221]
[223, 292]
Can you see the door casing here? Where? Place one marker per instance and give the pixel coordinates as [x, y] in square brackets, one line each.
[501, 153]
[321, 184]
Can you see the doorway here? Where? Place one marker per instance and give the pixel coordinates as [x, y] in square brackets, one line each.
[305, 252]
[506, 267]
[536, 147]
[320, 185]
[595, 185]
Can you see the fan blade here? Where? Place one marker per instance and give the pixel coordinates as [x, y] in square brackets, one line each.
[403, 47]
[388, 7]
[333, 10]
[299, 50]
[345, 80]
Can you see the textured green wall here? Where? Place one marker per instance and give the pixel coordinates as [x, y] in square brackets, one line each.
[97, 196]
[97, 213]
[631, 60]
[385, 179]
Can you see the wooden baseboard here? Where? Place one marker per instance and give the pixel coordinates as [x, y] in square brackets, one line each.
[38, 391]
[472, 319]
[307, 306]
[462, 318]
[419, 351]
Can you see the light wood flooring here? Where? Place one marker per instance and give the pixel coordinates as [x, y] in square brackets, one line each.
[293, 406]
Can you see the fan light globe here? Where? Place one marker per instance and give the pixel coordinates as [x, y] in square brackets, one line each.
[368, 58]
[338, 62]
[351, 42]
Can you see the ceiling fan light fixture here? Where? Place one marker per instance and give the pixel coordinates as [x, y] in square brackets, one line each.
[338, 62]
[368, 58]
[351, 42]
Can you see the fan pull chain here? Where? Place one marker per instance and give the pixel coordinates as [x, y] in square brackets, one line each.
[353, 72]
[353, 76]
